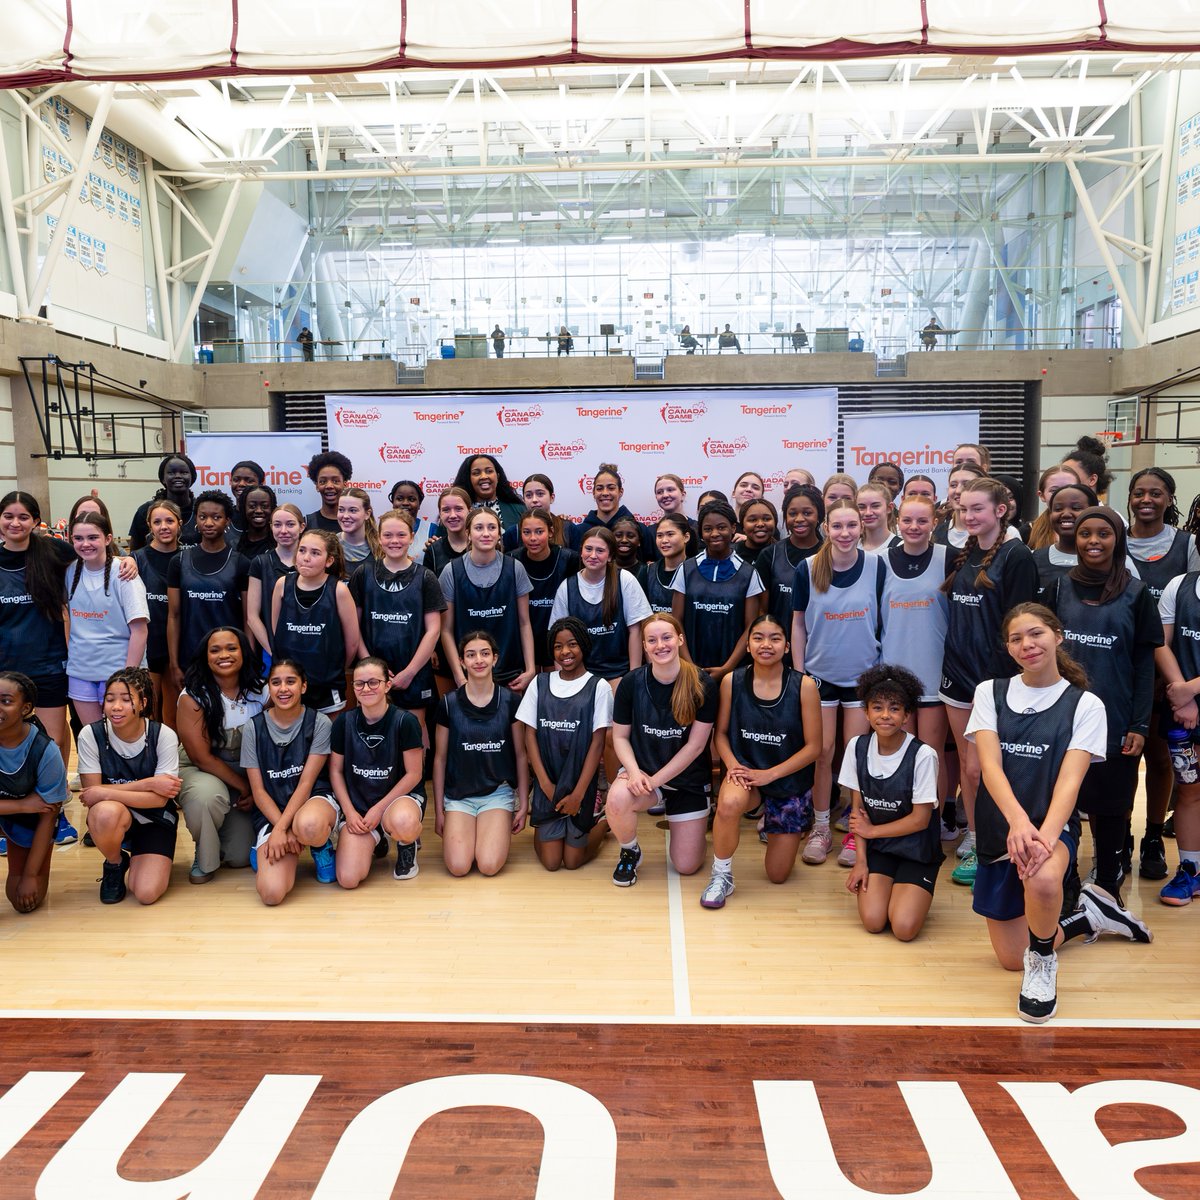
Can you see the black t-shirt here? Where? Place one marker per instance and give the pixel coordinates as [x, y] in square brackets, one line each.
[764, 564]
[408, 735]
[910, 566]
[14, 560]
[440, 554]
[317, 520]
[139, 529]
[206, 563]
[661, 695]
[431, 591]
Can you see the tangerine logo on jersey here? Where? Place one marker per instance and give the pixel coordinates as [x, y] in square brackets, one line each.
[562, 451]
[716, 448]
[926, 603]
[775, 411]
[806, 444]
[507, 415]
[357, 418]
[602, 412]
[643, 447]
[401, 454]
[683, 414]
[851, 614]
[493, 450]
[439, 416]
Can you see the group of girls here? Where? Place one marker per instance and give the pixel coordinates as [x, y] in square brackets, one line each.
[697, 630]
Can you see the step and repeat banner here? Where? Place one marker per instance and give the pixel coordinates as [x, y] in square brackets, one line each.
[283, 456]
[707, 438]
[922, 443]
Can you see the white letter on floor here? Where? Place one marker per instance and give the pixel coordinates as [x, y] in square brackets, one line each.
[579, 1157]
[1090, 1164]
[235, 1170]
[804, 1165]
[29, 1100]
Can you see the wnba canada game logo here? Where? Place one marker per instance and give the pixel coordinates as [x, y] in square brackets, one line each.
[508, 415]
[401, 454]
[562, 451]
[718, 448]
[357, 418]
[683, 414]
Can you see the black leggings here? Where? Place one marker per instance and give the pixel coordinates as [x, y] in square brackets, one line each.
[1110, 834]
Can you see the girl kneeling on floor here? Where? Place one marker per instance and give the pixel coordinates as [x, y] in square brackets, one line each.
[894, 778]
[377, 768]
[566, 714]
[129, 768]
[769, 737]
[284, 752]
[480, 772]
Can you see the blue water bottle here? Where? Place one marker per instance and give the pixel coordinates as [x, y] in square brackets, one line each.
[1183, 755]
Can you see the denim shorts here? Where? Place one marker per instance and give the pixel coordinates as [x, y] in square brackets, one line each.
[502, 797]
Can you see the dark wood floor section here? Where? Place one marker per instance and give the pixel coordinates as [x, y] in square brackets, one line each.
[682, 1100]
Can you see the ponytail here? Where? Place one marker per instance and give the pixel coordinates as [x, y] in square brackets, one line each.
[820, 565]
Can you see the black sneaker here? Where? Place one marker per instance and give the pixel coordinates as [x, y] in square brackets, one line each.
[1169, 827]
[407, 866]
[1154, 859]
[1038, 1001]
[1072, 886]
[625, 873]
[381, 847]
[1106, 914]
[112, 880]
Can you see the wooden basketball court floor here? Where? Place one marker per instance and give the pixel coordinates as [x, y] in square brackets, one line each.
[553, 1036]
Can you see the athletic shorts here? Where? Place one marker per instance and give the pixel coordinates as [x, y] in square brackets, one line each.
[503, 797]
[158, 666]
[903, 870]
[688, 804]
[561, 829]
[955, 694]
[1108, 787]
[999, 895]
[86, 690]
[19, 833]
[377, 833]
[418, 695]
[157, 836]
[835, 694]
[338, 821]
[788, 814]
[326, 698]
[51, 690]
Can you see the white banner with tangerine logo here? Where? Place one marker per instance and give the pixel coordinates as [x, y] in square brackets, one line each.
[707, 437]
[922, 442]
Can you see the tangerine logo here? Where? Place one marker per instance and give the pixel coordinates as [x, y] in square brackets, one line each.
[562, 451]
[401, 454]
[493, 450]
[929, 456]
[438, 416]
[765, 410]
[807, 444]
[682, 414]
[585, 484]
[519, 416]
[435, 487]
[357, 418]
[644, 447]
[718, 449]
[367, 485]
[602, 412]
[851, 614]
[694, 481]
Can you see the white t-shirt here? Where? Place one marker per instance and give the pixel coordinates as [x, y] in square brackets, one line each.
[1089, 732]
[1170, 598]
[1060, 558]
[884, 766]
[958, 537]
[89, 754]
[637, 607]
[755, 587]
[99, 639]
[564, 689]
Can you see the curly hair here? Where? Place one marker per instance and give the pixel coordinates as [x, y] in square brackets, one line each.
[888, 682]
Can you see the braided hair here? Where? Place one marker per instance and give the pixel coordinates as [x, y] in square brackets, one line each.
[140, 684]
[998, 494]
[97, 521]
[1172, 516]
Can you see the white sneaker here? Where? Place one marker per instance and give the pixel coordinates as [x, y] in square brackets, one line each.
[720, 888]
[1106, 914]
[849, 852]
[1038, 1001]
[818, 846]
[966, 846]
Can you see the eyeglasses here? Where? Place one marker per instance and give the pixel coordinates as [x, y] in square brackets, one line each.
[368, 685]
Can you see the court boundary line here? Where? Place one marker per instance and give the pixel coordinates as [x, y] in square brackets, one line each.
[444, 1018]
[681, 984]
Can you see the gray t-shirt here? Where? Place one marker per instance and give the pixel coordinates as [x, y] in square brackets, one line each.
[89, 752]
[1151, 548]
[322, 732]
[485, 576]
[99, 639]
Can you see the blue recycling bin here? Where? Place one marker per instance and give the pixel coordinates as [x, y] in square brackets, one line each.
[856, 345]
[447, 351]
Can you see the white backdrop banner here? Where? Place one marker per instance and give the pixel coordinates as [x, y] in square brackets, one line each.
[283, 456]
[706, 437]
[921, 442]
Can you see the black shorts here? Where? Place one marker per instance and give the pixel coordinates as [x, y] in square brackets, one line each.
[999, 894]
[835, 693]
[901, 870]
[418, 694]
[51, 690]
[156, 665]
[1108, 787]
[324, 695]
[689, 804]
[156, 836]
[958, 694]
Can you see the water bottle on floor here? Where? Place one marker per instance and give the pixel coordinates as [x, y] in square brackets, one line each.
[1183, 755]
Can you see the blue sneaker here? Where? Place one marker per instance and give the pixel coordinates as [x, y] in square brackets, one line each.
[326, 864]
[254, 859]
[3, 847]
[65, 834]
[1183, 887]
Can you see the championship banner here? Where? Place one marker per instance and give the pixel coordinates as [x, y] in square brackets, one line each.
[283, 456]
[708, 438]
[922, 442]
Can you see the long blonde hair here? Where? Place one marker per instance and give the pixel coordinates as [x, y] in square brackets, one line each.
[370, 529]
[820, 565]
[688, 693]
[885, 494]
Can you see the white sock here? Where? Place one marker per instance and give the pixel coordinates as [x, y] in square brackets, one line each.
[630, 845]
[969, 840]
[723, 866]
[1192, 856]
[820, 818]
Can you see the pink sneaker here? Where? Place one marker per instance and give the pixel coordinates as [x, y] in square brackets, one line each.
[818, 846]
[849, 853]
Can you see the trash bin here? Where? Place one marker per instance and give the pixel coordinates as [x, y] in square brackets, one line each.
[856, 345]
[447, 351]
